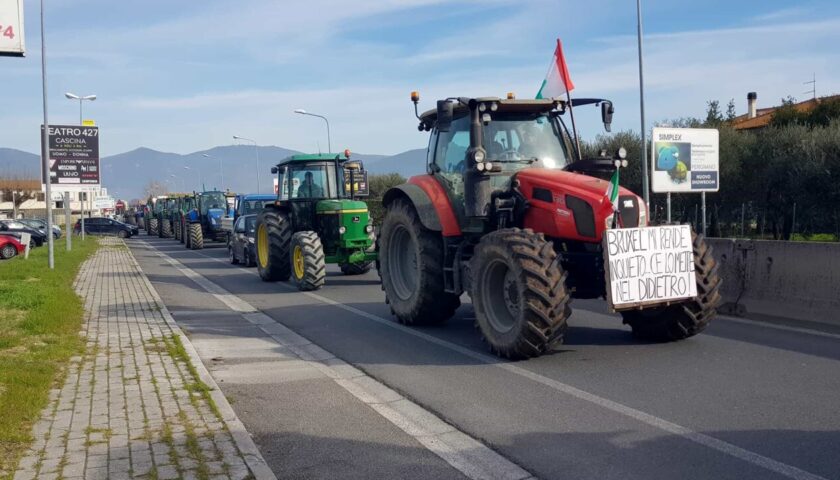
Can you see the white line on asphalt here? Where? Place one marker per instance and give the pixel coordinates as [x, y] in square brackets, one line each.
[464, 453]
[702, 439]
[758, 323]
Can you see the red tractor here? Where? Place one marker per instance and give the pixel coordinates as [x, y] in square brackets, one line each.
[510, 213]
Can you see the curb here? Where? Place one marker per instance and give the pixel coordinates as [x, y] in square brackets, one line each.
[253, 458]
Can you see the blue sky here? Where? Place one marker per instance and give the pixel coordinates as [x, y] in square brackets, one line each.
[184, 76]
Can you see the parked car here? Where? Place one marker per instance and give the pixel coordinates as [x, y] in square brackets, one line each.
[10, 246]
[106, 226]
[241, 241]
[14, 228]
[41, 226]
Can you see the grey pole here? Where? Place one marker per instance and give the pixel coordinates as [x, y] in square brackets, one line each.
[669, 208]
[45, 147]
[645, 179]
[703, 210]
[67, 219]
[329, 141]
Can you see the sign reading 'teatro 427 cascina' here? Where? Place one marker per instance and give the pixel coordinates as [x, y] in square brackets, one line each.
[649, 265]
[73, 157]
[11, 28]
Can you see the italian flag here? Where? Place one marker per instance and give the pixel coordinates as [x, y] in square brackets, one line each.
[557, 81]
[612, 191]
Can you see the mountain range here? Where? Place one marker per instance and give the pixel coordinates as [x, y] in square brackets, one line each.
[231, 167]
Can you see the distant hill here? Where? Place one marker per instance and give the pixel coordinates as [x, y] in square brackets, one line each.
[126, 174]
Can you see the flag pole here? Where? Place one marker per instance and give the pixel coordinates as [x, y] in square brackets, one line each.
[574, 127]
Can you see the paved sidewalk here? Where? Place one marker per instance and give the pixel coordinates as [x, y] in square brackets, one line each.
[138, 404]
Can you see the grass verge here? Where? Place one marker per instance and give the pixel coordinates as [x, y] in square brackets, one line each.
[40, 318]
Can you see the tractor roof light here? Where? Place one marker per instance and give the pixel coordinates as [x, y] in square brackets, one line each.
[415, 96]
[479, 167]
[479, 155]
[511, 96]
[482, 107]
[494, 106]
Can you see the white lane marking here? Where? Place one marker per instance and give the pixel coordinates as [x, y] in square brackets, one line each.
[702, 439]
[464, 453]
[758, 323]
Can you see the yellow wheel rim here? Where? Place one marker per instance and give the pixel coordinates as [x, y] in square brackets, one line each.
[262, 245]
[297, 258]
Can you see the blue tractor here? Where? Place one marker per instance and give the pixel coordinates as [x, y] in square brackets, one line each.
[247, 204]
[204, 221]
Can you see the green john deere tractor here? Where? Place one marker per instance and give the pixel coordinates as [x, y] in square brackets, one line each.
[315, 220]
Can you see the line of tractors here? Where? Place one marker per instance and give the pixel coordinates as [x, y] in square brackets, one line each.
[509, 212]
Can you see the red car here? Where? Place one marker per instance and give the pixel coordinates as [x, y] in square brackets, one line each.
[10, 246]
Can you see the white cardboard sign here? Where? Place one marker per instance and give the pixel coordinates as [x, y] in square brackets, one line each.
[649, 265]
[11, 28]
[685, 160]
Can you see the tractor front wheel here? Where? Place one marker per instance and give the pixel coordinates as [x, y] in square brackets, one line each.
[411, 269]
[153, 227]
[166, 229]
[273, 236]
[519, 293]
[682, 320]
[355, 268]
[176, 228]
[309, 270]
[196, 237]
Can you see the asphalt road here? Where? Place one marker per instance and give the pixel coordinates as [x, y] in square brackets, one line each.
[742, 400]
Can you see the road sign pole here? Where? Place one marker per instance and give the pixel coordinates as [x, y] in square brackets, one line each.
[703, 210]
[82, 213]
[46, 145]
[668, 210]
[68, 218]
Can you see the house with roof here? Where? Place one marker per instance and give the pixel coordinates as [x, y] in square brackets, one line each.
[758, 118]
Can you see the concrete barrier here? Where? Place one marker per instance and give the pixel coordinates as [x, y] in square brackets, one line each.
[799, 280]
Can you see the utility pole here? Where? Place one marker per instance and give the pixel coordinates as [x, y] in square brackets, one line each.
[67, 219]
[45, 147]
[645, 176]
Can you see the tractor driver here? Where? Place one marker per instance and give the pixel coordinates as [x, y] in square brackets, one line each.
[309, 189]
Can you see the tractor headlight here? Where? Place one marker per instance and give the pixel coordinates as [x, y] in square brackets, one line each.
[642, 214]
[250, 239]
[341, 230]
[368, 228]
[608, 223]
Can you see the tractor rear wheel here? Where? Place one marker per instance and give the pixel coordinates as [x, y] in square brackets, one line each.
[153, 227]
[309, 270]
[176, 229]
[682, 320]
[519, 293]
[411, 269]
[273, 237]
[166, 229]
[196, 237]
[355, 268]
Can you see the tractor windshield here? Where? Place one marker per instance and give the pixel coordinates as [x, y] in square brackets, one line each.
[212, 200]
[309, 180]
[253, 206]
[520, 141]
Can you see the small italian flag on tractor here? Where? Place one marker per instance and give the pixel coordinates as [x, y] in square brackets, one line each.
[557, 81]
[612, 191]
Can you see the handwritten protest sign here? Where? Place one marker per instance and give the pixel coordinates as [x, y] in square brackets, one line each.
[651, 265]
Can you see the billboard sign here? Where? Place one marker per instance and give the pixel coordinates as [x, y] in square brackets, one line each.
[11, 28]
[73, 157]
[685, 160]
[360, 181]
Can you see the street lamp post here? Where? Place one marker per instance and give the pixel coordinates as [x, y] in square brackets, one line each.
[304, 112]
[200, 178]
[645, 177]
[257, 150]
[45, 146]
[81, 99]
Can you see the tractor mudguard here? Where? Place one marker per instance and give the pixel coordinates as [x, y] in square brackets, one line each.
[431, 203]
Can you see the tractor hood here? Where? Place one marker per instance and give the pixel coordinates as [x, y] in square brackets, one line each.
[341, 205]
[215, 216]
[589, 188]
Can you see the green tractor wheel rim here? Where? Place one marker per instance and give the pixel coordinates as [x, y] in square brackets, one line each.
[262, 245]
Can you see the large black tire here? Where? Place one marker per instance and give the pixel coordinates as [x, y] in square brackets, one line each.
[355, 268]
[176, 229]
[274, 236]
[184, 234]
[519, 293]
[165, 229]
[232, 256]
[411, 268]
[122, 234]
[196, 237]
[309, 269]
[682, 320]
[153, 227]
